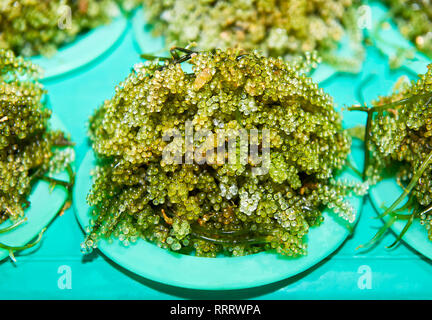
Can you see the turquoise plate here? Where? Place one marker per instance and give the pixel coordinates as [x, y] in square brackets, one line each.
[156, 45]
[221, 273]
[390, 40]
[383, 194]
[45, 203]
[86, 48]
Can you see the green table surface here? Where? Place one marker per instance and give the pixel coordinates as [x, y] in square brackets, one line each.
[58, 270]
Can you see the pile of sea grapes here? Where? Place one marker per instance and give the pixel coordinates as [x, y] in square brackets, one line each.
[284, 28]
[29, 150]
[400, 134]
[30, 27]
[414, 19]
[217, 206]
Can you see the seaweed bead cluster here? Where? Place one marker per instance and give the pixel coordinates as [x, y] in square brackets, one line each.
[275, 28]
[414, 19]
[400, 135]
[29, 150]
[31, 27]
[217, 207]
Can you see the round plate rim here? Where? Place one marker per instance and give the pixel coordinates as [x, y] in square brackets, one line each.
[71, 56]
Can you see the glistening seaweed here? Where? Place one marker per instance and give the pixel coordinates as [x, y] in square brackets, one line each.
[29, 150]
[219, 206]
[398, 135]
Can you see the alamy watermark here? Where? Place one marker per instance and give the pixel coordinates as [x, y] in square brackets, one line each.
[224, 145]
[64, 282]
[365, 279]
[65, 17]
[364, 20]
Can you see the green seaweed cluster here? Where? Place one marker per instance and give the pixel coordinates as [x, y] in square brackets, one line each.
[414, 19]
[398, 139]
[217, 206]
[29, 150]
[276, 28]
[32, 27]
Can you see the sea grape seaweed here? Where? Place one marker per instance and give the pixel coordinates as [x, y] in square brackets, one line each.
[414, 19]
[284, 28]
[32, 27]
[220, 206]
[398, 135]
[29, 150]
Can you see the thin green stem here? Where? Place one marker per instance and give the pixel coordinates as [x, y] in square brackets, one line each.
[12, 227]
[55, 182]
[230, 241]
[404, 230]
[427, 210]
[408, 216]
[367, 137]
[358, 108]
[67, 185]
[12, 249]
[398, 103]
[405, 206]
[350, 165]
[198, 229]
[410, 186]
[152, 57]
[379, 234]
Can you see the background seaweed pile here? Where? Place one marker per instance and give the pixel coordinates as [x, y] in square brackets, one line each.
[29, 150]
[399, 135]
[275, 28]
[414, 19]
[31, 27]
[221, 206]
